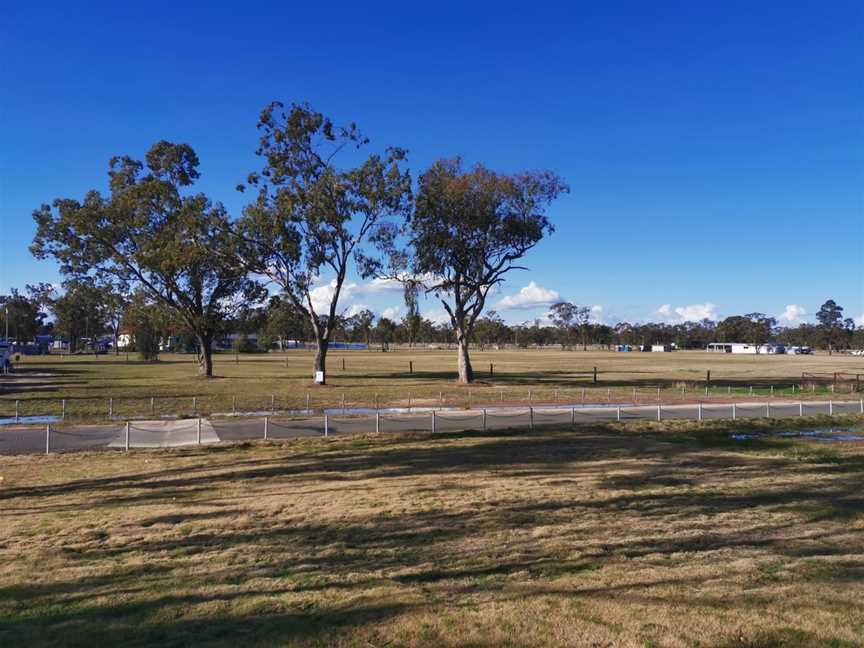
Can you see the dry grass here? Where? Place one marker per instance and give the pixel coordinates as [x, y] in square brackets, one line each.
[635, 535]
[87, 382]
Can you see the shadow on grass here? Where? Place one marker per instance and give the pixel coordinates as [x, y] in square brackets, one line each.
[654, 478]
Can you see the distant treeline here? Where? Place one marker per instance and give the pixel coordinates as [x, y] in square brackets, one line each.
[88, 311]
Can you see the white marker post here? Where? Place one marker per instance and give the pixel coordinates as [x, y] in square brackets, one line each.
[267, 428]
[198, 431]
[659, 413]
[433, 421]
[127, 436]
[800, 408]
[618, 413]
[531, 418]
[325, 424]
[734, 412]
[700, 412]
[377, 422]
[484, 419]
[48, 438]
[573, 416]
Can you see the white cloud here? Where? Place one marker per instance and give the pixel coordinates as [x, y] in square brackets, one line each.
[597, 313]
[530, 296]
[353, 309]
[689, 313]
[321, 295]
[793, 314]
[860, 320]
[391, 312]
[378, 285]
[438, 316]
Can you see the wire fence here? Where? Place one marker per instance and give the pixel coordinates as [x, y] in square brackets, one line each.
[200, 431]
[36, 408]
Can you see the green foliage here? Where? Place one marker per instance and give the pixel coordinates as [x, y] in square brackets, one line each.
[311, 216]
[148, 232]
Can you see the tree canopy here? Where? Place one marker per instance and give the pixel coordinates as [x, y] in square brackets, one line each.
[311, 217]
[148, 233]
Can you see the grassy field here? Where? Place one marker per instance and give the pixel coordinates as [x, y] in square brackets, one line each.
[622, 535]
[252, 382]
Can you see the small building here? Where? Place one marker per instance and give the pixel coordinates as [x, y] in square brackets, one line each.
[732, 347]
[662, 348]
[623, 348]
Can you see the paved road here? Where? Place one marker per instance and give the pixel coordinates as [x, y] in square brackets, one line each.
[175, 433]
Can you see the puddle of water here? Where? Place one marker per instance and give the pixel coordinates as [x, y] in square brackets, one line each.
[28, 420]
[827, 435]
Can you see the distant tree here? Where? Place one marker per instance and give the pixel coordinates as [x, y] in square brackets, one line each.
[468, 230]
[364, 320]
[148, 323]
[491, 329]
[411, 321]
[147, 233]
[23, 314]
[384, 331]
[830, 318]
[312, 217]
[79, 314]
[285, 322]
[572, 320]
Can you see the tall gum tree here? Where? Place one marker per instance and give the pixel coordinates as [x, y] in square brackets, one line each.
[468, 229]
[149, 234]
[311, 217]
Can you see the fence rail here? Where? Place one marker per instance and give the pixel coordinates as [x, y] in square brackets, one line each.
[196, 431]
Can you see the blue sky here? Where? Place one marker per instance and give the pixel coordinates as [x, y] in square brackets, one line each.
[715, 153]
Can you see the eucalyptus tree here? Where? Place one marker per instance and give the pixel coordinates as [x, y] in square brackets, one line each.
[147, 232]
[311, 218]
[469, 228]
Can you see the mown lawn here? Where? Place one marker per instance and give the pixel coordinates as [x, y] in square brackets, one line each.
[256, 382]
[633, 535]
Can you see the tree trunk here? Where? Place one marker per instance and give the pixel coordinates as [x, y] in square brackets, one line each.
[321, 360]
[205, 356]
[466, 373]
[116, 349]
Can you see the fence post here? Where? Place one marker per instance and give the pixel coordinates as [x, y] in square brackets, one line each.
[734, 413]
[751, 390]
[307, 402]
[658, 394]
[618, 413]
[410, 366]
[152, 406]
[47, 438]
[772, 390]
[273, 403]
[700, 412]
[531, 418]
[194, 404]
[433, 421]
[608, 394]
[198, 431]
[595, 375]
[529, 396]
[469, 399]
[17, 418]
[440, 399]
[501, 395]
[583, 395]
[556, 395]
[861, 405]
[831, 408]
[267, 428]
[484, 419]
[127, 436]
[768, 410]
[343, 364]
[706, 390]
[343, 403]
[800, 408]
[659, 413]
[110, 408]
[325, 424]
[233, 404]
[634, 396]
[377, 422]
[491, 370]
